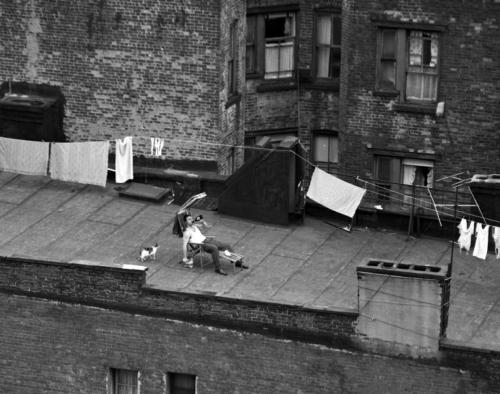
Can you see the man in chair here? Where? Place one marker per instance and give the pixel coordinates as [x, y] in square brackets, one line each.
[192, 234]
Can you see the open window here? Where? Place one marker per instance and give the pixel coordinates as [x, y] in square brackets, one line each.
[408, 64]
[270, 47]
[395, 174]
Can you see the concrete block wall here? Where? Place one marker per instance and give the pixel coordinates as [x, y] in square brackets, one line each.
[466, 138]
[145, 69]
[401, 303]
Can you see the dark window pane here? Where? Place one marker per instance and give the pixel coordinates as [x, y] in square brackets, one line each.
[276, 27]
[384, 169]
[180, 383]
[426, 53]
[388, 74]
[389, 44]
[337, 30]
[335, 62]
[251, 22]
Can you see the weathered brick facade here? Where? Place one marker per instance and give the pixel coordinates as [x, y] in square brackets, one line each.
[466, 137]
[299, 105]
[147, 69]
[65, 325]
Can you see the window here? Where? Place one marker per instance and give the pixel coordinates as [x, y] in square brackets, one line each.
[232, 66]
[124, 381]
[270, 47]
[327, 45]
[180, 383]
[326, 151]
[408, 63]
[392, 172]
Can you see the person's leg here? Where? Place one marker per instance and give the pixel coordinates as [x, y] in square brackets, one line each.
[214, 252]
[221, 245]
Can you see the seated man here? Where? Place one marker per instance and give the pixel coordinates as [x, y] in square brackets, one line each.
[192, 234]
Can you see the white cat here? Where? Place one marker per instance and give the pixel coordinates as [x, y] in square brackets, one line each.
[148, 253]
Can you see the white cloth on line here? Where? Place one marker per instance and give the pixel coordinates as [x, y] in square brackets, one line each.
[496, 239]
[481, 245]
[334, 193]
[156, 146]
[124, 162]
[80, 162]
[464, 240]
[24, 157]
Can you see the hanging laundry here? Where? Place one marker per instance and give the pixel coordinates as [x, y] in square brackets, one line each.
[24, 157]
[334, 193]
[156, 146]
[481, 245]
[464, 240]
[81, 162]
[496, 239]
[124, 161]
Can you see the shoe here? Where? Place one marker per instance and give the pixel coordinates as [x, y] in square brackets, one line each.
[241, 265]
[221, 272]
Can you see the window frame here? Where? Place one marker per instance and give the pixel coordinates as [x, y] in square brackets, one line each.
[332, 13]
[396, 165]
[402, 50]
[257, 69]
[232, 60]
[176, 390]
[331, 166]
[114, 376]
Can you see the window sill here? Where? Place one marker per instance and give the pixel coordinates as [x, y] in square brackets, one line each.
[277, 85]
[253, 76]
[426, 108]
[386, 93]
[331, 86]
[233, 99]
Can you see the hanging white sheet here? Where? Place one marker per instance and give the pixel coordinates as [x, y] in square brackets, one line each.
[334, 193]
[81, 162]
[24, 157]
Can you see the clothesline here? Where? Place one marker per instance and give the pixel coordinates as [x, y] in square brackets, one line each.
[417, 200]
[446, 211]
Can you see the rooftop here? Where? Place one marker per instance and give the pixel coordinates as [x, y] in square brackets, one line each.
[312, 265]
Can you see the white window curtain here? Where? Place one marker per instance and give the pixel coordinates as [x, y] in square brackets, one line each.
[409, 174]
[279, 60]
[323, 37]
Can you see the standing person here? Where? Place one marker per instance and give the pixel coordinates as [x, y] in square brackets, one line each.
[192, 234]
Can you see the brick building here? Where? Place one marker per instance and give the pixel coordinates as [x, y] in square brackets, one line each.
[165, 69]
[98, 328]
[293, 64]
[420, 99]
[399, 93]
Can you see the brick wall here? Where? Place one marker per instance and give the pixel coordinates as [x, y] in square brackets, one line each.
[466, 138]
[64, 325]
[300, 107]
[56, 347]
[148, 69]
[125, 289]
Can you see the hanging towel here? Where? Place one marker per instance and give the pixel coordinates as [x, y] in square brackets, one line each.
[24, 157]
[81, 162]
[496, 239]
[481, 246]
[156, 146]
[464, 240]
[334, 193]
[124, 162]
